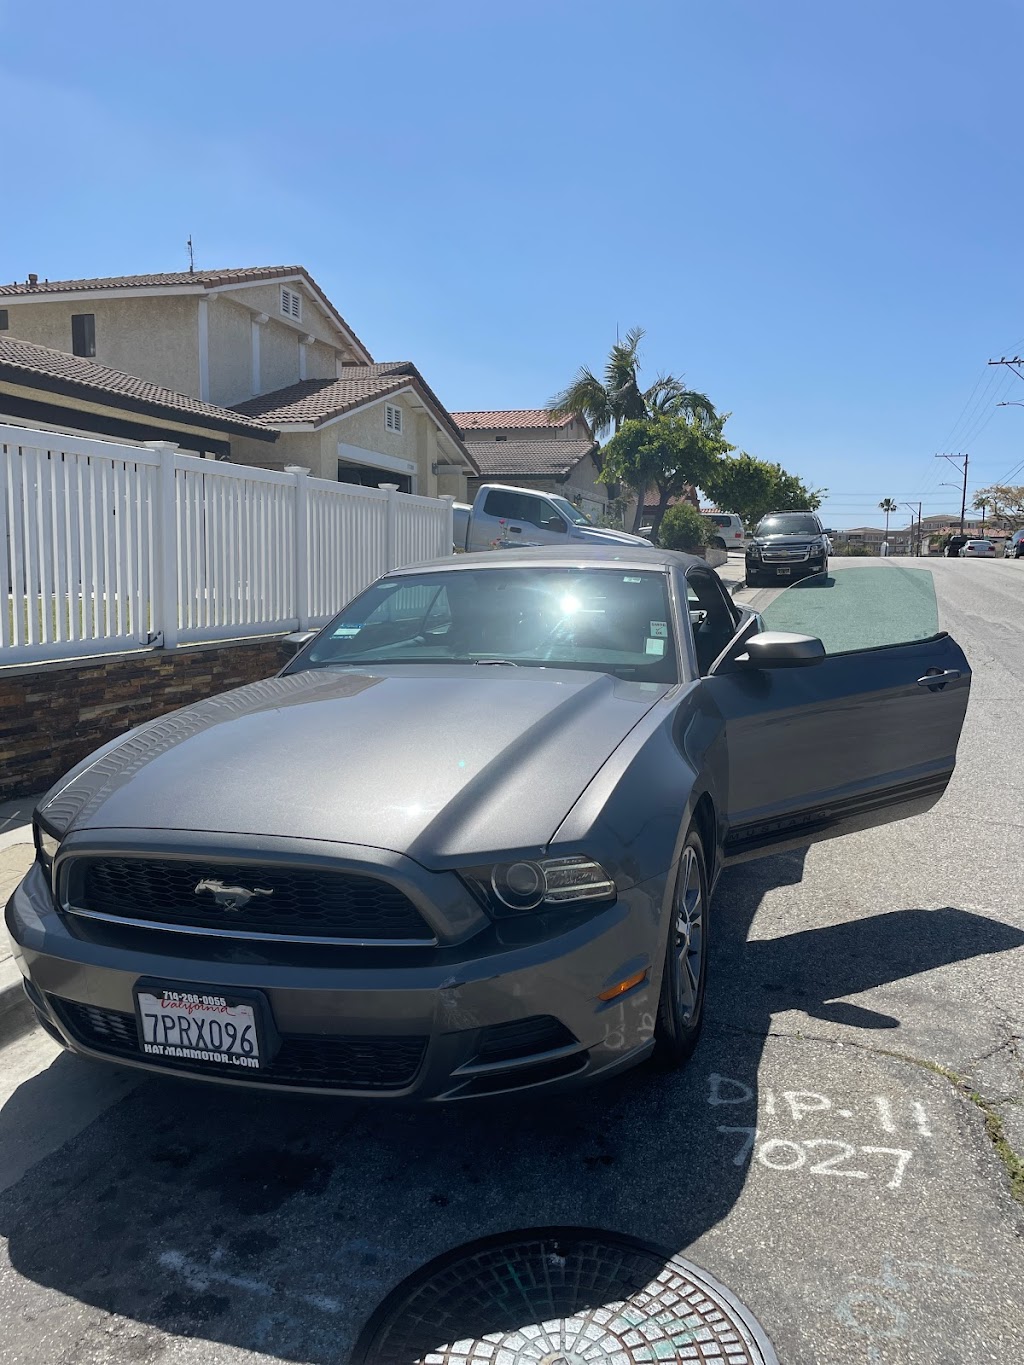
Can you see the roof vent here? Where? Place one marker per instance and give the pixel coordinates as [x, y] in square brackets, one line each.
[33, 280]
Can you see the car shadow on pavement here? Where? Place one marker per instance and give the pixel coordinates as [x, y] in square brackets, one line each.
[278, 1224]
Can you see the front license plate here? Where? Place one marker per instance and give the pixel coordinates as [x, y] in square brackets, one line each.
[783, 573]
[198, 1027]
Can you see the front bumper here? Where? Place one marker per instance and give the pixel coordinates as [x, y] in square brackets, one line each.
[464, 1021]
[796, 568]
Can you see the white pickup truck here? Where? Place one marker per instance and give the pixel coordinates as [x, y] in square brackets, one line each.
[501, 516]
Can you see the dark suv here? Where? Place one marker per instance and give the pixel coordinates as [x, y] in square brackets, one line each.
[1014, 547]
[786, 545]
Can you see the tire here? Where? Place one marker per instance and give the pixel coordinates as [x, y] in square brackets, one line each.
[718, 543]
[684, 978]
[751, 580]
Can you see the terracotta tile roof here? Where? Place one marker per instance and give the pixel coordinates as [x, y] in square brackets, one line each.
[320, 400]
[317, 400]
[528, 459]
[181, 279]
[32, 366]
[507, 420]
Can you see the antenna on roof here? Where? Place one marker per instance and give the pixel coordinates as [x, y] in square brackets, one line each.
[191, 256]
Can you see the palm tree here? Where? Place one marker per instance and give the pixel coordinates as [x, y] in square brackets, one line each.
[606, 404]
[888, 505]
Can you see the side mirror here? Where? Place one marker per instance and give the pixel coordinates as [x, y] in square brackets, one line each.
[780, 649]
[297, 639]
[556, 523]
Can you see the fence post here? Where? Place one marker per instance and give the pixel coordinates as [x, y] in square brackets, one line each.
[165, 597]
[301, 476]
[449, 498]
[389, 525]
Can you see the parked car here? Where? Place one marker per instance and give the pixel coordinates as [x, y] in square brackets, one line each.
[978, 549]
[1014, 547]
[726, 530]
[466, 842]
[787, 545]
[953, 546]
[503, 516]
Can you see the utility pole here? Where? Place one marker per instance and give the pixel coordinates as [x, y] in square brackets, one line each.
[1013, 364]
[953, 461]
[916, 544]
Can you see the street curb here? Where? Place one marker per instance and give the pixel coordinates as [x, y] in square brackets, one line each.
[16, 1014]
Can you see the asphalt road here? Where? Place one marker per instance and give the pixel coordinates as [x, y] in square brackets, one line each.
[821, 1156]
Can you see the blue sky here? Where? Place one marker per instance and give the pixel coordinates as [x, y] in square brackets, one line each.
[814, 209]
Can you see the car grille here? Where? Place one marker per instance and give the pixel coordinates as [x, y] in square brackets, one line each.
[314, 1060]
[304, 904]
[787, 554]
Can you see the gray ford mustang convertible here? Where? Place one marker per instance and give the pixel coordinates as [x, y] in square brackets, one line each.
[466, 842]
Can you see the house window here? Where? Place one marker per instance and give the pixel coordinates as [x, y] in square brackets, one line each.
[4, 324]
[392, 417]
[83, 334]
[291, 304]
[501, 438]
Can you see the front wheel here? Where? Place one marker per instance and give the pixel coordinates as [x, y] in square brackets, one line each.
[684, 980]
[751, 580]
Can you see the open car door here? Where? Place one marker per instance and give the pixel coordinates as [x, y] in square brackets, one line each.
[844, 712]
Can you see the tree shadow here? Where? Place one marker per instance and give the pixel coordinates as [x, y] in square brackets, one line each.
[278, 1224]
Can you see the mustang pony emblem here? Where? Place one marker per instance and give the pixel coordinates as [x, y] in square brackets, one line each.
[231, 897]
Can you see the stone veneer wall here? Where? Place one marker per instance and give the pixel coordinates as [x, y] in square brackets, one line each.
[54, 714]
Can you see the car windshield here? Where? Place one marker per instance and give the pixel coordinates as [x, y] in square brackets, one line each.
[604, 620]
[789, 524]
[574, 514]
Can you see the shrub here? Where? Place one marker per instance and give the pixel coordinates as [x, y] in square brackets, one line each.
[683, 528]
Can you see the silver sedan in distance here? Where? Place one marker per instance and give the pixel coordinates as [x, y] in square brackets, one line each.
[466, 842]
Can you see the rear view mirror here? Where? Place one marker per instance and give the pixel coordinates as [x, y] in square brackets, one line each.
[781, 649]
[297, 639]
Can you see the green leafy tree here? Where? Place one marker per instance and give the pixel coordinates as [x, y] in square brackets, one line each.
[669, 453]
[606, 403]
[752, 488]
[888, 506]
[1004, 504]
[683, 528]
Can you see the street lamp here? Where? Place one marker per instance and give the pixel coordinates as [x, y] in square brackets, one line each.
[1010, 404]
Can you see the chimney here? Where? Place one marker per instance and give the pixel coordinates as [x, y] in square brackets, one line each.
[33, 280]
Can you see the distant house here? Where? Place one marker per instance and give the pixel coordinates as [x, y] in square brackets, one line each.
[266, 343]
[529, 448]
[871, 538]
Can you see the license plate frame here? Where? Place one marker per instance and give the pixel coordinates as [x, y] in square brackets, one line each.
[203, 1005]
[784, 572]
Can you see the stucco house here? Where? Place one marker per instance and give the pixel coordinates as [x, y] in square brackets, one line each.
[267, 344]
[530, 448]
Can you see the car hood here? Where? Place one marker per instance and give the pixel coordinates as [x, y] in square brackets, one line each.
[435, 762]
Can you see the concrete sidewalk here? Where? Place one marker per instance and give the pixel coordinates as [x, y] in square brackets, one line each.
[16, 854]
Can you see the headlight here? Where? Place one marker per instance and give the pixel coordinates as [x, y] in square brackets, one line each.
[521, 887]
[754, 550]
[47, 843]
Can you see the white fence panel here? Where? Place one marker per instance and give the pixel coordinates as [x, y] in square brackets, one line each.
[347, 546]
[235, 550]
[77, 558]
[107, 547]
[422, 530]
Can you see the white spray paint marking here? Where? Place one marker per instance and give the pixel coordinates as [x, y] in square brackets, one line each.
[885, 1113]
[818, 1155]
[922, 1119]
[199, 1278]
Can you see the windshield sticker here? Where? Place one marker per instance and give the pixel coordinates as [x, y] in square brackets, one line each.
[659, 629]
[628, 579]
[655, 647]
[341, 631]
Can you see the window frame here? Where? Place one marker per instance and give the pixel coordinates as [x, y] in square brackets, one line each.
[289, 298]
[393, 419]
[83, 337]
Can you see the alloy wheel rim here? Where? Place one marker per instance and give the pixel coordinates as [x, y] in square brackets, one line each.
[689, 937]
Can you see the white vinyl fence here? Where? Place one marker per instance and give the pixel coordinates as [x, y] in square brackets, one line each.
[108, 546]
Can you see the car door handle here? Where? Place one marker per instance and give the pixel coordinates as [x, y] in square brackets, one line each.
[938, 680]
[516, 530]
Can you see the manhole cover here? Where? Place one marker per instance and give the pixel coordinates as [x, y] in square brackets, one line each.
[561, 1296]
